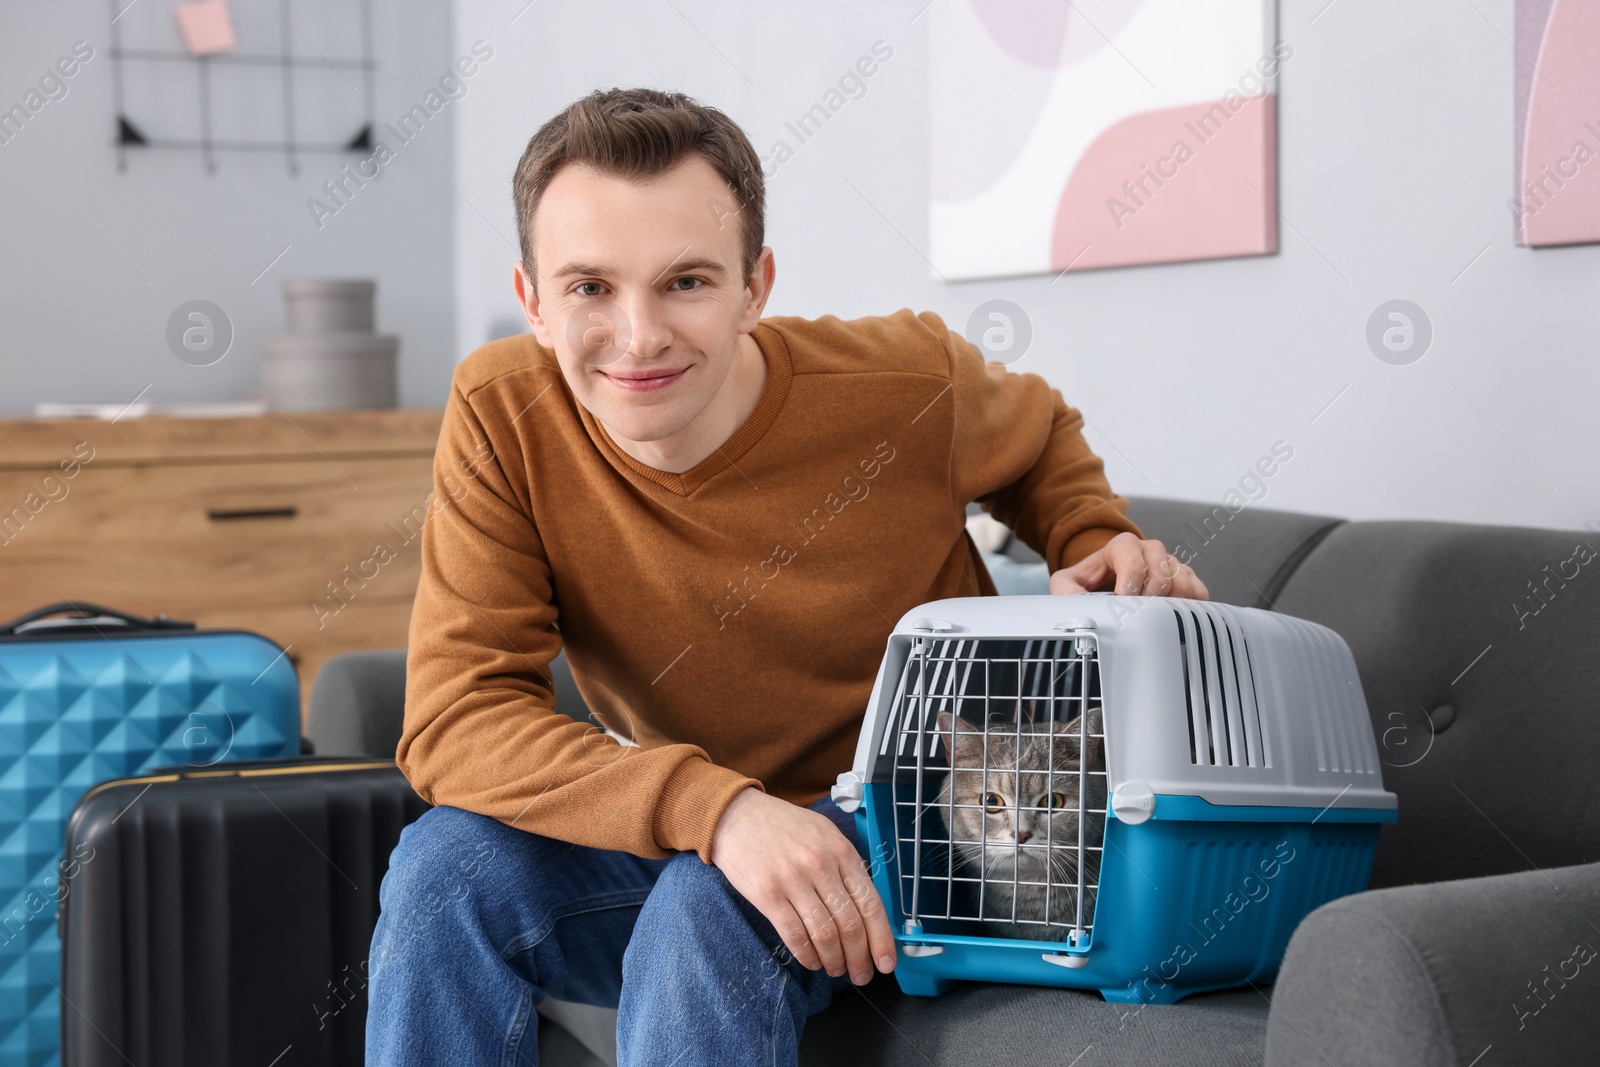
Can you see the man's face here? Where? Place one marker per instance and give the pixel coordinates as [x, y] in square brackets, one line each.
[641, 293]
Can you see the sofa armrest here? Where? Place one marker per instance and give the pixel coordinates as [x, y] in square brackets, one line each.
[357, 704]
[1440, 974]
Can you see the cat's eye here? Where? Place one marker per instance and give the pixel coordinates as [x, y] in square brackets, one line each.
[993, 803]
[1052, 800]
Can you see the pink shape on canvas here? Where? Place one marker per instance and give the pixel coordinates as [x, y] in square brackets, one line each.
[1560, 165]
[206, 27]
[1182, 183]
[1041, 33]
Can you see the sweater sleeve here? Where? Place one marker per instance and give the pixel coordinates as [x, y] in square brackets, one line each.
[480, 730]
[1017, 448]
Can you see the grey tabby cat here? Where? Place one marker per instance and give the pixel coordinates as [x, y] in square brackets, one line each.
[1018, 823]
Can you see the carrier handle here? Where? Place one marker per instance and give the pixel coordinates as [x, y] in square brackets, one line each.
[1061, 959]
[88, 617]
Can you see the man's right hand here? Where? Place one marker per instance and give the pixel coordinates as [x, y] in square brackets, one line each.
[799, 871]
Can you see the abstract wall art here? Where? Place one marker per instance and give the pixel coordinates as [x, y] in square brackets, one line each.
[1557, 110]
[1101, 133]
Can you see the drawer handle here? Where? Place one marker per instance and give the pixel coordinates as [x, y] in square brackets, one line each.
[232, 514]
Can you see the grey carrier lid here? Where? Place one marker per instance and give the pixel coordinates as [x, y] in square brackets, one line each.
[1235, 706]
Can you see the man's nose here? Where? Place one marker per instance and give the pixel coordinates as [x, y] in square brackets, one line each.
[649, 334]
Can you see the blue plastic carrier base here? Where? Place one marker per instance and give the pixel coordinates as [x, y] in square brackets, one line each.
[80, 705]
[1185, 905]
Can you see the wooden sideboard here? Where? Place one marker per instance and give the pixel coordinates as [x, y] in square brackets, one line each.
[271, 524]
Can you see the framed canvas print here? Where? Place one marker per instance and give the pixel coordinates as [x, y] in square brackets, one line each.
[1101, 133]
[1557, 110]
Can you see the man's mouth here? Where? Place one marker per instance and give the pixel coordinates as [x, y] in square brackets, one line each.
[644, 381]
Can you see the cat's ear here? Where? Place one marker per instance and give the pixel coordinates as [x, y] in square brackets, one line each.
[1097, 735]
[960, 736]
[1096, 730]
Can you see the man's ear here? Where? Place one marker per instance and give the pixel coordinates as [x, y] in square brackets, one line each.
[522, 285]
[758, 287]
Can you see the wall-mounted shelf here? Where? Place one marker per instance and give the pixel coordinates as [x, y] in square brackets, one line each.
[135, 131]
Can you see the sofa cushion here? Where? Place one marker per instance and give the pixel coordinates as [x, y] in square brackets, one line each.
[1026, 1026]
[1244, 557]
[576, 1035]
[559, 1047]
[1019, 1026]
[1485, 696]
[357, 705]
[1012, 578]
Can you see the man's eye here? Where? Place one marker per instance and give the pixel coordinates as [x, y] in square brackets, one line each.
[696, 283]
[581, 286]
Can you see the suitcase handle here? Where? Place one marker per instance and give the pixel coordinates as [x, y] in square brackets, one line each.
[88, 617]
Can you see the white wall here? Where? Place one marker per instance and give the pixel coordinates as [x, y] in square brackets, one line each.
[1396, 144]
[90, 274]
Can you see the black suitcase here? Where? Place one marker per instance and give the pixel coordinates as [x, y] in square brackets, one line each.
[224, 916]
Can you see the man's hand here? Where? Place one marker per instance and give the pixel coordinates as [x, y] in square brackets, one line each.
[804, 875]
[1138, 568]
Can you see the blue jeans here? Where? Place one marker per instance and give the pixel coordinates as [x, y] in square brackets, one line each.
[481, 921]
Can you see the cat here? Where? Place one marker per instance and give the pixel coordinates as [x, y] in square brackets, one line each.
[1031, 840]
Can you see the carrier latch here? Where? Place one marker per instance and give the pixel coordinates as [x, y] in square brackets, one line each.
[1133, 803]
[913, 949]
[847, 792]
[1061, 959]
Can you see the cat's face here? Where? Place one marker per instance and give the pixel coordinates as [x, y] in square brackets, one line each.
[1020, 817]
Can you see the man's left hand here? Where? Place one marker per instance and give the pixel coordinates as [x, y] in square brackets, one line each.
[1130, 567]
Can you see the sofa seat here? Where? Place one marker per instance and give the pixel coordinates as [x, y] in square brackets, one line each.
[1476, 651]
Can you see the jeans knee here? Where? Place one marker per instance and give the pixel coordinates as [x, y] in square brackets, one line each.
[693, 912]
[700, 951]
[689, 887]
[443, 853]
[436, 875]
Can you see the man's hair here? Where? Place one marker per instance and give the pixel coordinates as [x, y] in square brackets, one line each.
[638, 134]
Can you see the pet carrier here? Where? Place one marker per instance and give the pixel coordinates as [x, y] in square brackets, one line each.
[1139, 795]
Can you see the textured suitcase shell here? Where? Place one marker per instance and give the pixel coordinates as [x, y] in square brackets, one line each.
[81, 708]
[224, 916]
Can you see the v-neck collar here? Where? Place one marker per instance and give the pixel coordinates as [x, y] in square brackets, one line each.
[779, 373]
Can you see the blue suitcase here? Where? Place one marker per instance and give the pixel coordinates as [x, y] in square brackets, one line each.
[87, 697]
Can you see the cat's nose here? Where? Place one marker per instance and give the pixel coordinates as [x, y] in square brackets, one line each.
[1023, 835]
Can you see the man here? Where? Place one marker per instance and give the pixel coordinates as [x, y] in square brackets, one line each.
[718, 516]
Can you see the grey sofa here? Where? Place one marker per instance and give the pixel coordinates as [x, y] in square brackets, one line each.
[1479, 941]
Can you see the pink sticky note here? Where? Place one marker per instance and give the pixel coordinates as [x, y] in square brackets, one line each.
[206, 27]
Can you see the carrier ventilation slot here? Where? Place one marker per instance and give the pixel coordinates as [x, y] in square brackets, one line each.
[1220, 692]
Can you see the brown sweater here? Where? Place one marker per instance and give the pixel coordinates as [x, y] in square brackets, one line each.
[730, 619]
